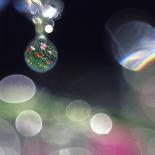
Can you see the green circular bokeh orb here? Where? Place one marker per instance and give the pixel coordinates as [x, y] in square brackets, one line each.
[41, 55]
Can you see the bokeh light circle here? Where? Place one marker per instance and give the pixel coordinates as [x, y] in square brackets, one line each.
[48, 28]
[41, 55]
[16, 89]
[78, 110]
[101, 123]
[134, 47]
[28, 123]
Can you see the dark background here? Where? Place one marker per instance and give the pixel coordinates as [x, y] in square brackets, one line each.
[86, 68]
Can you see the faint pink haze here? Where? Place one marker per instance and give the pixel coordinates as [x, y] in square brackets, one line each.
[118, 142]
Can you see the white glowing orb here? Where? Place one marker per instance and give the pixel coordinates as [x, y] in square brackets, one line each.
[48, 28]
[78, 110]
[28, 123]
[49, 11]
[101, 123]
[16, 89]
[72, 151]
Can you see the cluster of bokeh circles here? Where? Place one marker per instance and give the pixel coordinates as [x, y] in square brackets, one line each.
[62, 128]
[36, 122]
[44, 124]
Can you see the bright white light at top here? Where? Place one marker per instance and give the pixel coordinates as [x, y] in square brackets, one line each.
[48, 28]
[49, 11]
[101, 123]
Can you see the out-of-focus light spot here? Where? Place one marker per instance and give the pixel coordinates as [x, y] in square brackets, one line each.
[37, 20]
[48, 28]
[133, 48]
[78, 110]
[28, 123]
[49, 11]
[33, 8]
[3, 4]
[72, 151]
[9, 139]
[101, 123]
[16, 89]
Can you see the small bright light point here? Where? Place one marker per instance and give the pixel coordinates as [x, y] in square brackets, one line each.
[28, 123]
[48, 28]
[16, 89]
[48, 11]
[101, 123]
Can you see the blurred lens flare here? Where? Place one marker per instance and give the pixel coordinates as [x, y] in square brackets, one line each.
[28, 123]
[134, 48]
[101, 123]
[3, 4]
[20, 6]
[49, 11]
[16, 89]
[78, 110]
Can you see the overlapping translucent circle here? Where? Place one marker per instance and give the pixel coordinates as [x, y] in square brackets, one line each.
[16, 89]
[9, 140]
[78, 110]
[135, 46]
[133, 39]
[3, 4]
[28, 123]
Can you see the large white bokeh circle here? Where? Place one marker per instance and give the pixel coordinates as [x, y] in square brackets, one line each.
[28, 123]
